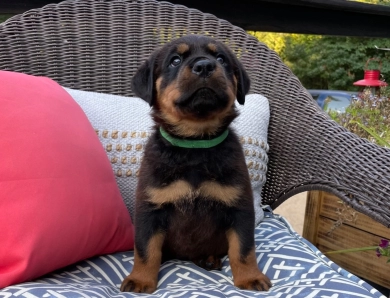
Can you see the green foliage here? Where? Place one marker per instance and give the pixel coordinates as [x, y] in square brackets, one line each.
[4, 17]
[275, 41]
[336, 62]
[328, 62]
[368, 117]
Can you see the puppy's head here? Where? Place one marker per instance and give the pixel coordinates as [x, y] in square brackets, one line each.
[192, 83]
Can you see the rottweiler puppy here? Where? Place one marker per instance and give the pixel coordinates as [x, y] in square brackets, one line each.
[194, 199]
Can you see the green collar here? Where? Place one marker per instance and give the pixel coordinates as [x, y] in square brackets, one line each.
[194, 143]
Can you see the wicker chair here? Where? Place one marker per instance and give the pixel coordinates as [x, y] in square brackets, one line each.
[96, 45]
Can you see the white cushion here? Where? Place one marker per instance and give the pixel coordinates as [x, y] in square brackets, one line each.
[123, 125]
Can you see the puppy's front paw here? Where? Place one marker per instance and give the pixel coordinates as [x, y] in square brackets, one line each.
[130, 284]
[260, 282]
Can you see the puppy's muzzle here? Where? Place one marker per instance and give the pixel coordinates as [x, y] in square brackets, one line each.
[204, 68]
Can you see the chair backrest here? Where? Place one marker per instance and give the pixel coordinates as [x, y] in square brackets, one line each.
[97, 45]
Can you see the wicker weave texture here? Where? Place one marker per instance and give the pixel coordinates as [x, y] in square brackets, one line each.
[97, 45]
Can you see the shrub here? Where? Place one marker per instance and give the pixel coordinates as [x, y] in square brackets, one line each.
[368, 116]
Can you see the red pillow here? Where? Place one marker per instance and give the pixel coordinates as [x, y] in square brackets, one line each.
[59, 201]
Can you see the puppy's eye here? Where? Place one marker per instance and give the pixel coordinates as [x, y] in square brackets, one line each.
[175, 61]
[221, 59]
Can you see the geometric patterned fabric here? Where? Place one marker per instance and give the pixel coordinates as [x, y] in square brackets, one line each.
[295, 267]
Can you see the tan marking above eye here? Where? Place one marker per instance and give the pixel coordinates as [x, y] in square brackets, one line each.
[182, 48]
[212, 47]
[181, 189]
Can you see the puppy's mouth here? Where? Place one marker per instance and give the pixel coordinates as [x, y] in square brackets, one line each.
[202, 103]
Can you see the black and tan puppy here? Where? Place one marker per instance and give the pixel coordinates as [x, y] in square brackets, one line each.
[194, 198]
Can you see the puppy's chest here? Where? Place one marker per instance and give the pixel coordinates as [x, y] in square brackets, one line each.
[181, 190]
[187, 178]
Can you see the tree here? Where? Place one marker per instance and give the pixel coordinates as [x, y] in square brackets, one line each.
[328, 62]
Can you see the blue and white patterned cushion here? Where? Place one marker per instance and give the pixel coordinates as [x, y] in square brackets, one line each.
[296, 268]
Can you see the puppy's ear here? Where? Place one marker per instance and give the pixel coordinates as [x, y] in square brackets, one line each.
[243, 82]
[143, 82]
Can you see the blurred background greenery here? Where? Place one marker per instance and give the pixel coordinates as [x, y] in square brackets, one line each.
[3, 17]
[329, 62]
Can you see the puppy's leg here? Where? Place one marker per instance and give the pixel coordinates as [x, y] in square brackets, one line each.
[149, 239]
[246, 273]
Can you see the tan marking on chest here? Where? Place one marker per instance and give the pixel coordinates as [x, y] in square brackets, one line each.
[181, 189]
[224, 193]
[171, 193]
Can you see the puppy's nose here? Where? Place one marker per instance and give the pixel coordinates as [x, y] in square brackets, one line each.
[203, 68]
